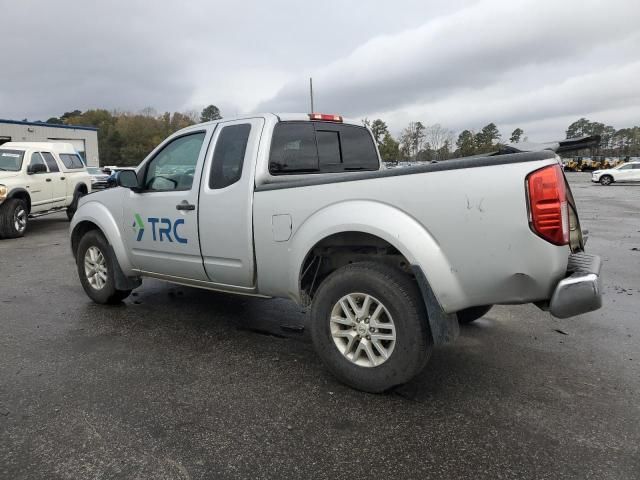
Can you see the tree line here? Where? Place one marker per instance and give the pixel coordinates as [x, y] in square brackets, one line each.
[421, 143]
[126, 138]
[418, 142]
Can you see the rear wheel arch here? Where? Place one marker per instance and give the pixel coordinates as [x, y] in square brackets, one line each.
[81, 188]
[343, 248]
[401, 234]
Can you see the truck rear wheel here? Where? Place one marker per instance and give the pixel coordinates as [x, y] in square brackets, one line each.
[14, 218]
[369, 326]
[95, 262]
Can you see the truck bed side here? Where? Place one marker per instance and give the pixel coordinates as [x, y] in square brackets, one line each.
[466, 228]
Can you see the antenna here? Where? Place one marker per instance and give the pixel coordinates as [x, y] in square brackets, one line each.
[311, 93]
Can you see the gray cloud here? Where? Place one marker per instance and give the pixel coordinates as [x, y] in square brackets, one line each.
[462, 63]
[493, 61]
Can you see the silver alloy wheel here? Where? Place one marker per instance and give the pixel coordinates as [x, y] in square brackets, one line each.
[95, 268]
[606, 180]
[363, 330]
[20, 219]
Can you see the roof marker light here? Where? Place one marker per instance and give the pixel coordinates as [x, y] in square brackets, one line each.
[325, 117]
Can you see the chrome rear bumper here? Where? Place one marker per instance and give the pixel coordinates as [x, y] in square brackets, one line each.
[580, 291]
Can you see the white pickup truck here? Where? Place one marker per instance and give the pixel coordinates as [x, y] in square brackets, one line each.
[298, 206]
[38, 178]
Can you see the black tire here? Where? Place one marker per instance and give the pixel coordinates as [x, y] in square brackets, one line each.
[472, 314]
[107, 293]
[71, 209]
[14, 218]
[399, 294]
[606, 180]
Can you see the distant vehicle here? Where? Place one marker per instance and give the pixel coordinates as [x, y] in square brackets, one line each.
[627, 172]
[38, 178]
[98, 178]
[297, 206]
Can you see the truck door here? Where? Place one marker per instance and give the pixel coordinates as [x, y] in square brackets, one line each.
[58, 181]
[161, 222]
[226, 203]
[39, 185]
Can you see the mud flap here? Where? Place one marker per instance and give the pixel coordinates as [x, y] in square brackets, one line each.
[444, 326]
[121, 280]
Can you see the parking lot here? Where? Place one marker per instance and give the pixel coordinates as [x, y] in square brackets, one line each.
[183, 383]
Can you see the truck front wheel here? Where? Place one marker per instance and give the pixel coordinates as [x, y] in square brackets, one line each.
[13, 218]
[369, 326]
[95, 262]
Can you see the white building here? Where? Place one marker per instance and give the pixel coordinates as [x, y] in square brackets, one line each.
[83, 139]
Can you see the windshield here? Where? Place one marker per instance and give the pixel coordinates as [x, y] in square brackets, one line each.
[95, 171]
[11, 160]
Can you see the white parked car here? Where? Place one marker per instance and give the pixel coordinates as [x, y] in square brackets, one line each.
[627, 172]
[38, 178]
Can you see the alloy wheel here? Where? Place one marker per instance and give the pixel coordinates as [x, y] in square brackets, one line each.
[363, 330]
[95, 268]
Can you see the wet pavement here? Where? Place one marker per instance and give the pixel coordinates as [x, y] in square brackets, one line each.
[179, 383]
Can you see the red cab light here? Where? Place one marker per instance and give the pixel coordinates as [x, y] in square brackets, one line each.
[325, 117]
[548, 209]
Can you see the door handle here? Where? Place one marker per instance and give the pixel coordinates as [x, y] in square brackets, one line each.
[184, 205]
[62, 178]
[48, 179]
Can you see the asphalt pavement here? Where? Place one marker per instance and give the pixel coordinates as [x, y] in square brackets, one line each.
[179, 383]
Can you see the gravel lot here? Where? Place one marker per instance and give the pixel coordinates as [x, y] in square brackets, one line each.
[178, 383]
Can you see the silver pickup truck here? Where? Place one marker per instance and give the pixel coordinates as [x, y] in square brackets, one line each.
[298, 206]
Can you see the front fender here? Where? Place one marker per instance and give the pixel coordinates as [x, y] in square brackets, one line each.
[96, 213]
[389, 223]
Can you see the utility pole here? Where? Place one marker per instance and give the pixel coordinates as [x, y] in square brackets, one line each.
[311, 93]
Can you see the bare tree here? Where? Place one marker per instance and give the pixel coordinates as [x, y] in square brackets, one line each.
[412, 139]
[438, 137]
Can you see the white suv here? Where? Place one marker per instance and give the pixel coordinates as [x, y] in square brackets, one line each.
[37, 178]
[627, 172]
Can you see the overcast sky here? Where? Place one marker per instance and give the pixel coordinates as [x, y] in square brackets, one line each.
[533, 64]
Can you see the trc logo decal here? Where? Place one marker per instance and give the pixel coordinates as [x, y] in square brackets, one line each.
[162, 229]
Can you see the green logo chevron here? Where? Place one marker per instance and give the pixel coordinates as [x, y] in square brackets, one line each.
[138, 225]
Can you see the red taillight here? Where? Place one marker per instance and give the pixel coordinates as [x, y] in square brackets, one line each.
[548, 211]
[325, 117]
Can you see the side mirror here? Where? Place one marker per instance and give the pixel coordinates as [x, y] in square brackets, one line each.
[127, 179]
[36, 168]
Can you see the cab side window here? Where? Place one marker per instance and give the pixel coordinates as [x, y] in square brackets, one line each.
[36, 159]
[174, 166]
[51, 162]
[228, 157]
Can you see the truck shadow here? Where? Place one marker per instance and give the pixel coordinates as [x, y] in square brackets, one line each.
[483, 360]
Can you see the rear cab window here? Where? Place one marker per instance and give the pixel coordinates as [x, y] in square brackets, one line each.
[71, 161]
[321, 147]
